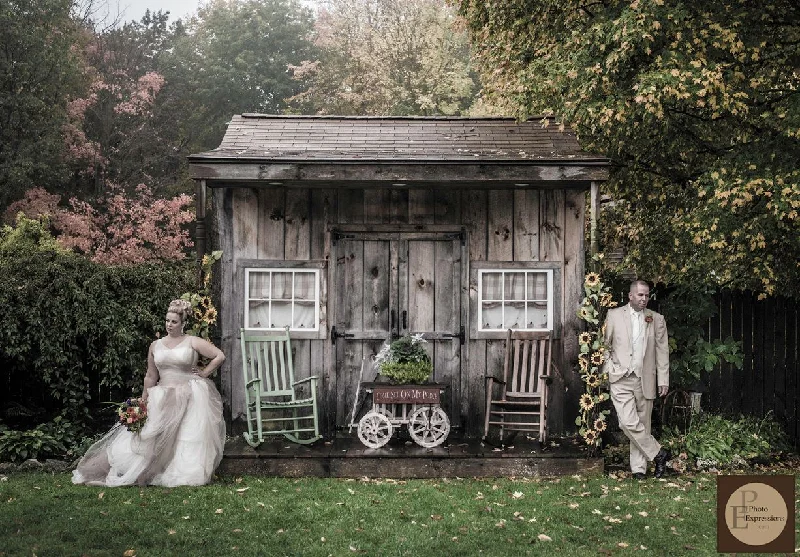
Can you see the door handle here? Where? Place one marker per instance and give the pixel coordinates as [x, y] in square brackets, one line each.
[405, 319]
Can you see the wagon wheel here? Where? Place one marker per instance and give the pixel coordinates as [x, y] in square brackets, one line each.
[374, 430]
[428, 426]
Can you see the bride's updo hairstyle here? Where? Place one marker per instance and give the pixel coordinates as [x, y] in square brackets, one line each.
[182, 308]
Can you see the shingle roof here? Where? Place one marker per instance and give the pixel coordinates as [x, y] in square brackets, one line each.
[259, 137]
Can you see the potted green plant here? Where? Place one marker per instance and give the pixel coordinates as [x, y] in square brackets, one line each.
[404, 360]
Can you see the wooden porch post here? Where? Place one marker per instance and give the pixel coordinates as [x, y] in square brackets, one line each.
[200, 227]
[594, 211]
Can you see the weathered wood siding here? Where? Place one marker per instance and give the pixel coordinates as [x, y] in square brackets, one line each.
[293, 224]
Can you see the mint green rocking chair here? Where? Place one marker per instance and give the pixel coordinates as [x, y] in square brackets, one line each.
[270, 390]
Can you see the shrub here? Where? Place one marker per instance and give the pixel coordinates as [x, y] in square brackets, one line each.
[75, 332]
[58, 438]
[719, 441]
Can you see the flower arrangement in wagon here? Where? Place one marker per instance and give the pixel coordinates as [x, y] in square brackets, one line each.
[404, 360]
[132, 414]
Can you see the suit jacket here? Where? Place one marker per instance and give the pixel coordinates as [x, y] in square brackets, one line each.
[655, 364]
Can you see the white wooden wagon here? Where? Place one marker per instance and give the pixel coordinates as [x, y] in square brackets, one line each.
[393, 406]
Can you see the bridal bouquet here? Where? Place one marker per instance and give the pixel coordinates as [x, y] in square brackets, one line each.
[132, 414]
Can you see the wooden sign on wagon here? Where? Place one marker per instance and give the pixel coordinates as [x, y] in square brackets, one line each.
[406, 394]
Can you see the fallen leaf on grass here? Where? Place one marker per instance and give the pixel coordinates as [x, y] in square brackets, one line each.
[237, 530]
[501, 524]
[101, 494]
[436, 517]
[544, 538]
[129, 553]
[643, 513]
[517, 495]
[595, 511]
[172, 532]
[218, 511]
[322, 539]
[242, 489]
[622, 545]
[574, 505]
[186, 517]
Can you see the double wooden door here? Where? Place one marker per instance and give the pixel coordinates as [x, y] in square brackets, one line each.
[387, 284]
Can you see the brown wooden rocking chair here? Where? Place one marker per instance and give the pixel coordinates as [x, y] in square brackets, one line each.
[520, 404]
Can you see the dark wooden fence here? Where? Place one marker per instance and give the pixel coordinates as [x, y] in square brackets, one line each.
[768, 381]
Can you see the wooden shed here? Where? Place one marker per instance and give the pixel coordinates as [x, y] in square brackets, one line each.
[354, 229]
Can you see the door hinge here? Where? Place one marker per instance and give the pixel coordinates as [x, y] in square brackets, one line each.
[335, 335]
[337, 235]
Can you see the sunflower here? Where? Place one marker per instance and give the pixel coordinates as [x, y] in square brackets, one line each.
[587, 403]
[211, 315]
[591, 437]
[598, 358]
[205, 301]
[592, 280]
[600, 424]
[606, 299]
[585, 338]
[592, 380]
[584, 363]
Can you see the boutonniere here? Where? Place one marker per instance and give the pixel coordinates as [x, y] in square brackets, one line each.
[648, 316]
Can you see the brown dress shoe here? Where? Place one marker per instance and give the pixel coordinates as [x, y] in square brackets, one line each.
[661, 461]
[639, 476]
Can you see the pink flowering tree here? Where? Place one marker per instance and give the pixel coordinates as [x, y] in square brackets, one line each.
[112, 131]
[119, 229]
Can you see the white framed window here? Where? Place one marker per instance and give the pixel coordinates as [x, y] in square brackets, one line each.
[277, 297]
[521, 299]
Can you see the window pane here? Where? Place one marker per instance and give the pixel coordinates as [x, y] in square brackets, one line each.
[304, 286]
[537, 315]
[258, 315]
[537, 286]
[492, 315]
[491, 286]
[281, 286]
[281, 315]
[304, 315]
[258, 285]
[514, 315]
[515, 286]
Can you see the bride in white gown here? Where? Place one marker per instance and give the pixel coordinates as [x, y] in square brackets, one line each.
[181, 441]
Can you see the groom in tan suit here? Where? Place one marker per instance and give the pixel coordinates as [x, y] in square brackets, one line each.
[637, 364]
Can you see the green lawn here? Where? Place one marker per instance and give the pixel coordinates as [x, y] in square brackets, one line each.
[44, 514]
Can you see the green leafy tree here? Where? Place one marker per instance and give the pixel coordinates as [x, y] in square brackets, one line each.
[696, 104]
[234, 58]
[388, 57]
[37, 70]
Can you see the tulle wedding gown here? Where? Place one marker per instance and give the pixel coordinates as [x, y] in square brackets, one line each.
[181, 442]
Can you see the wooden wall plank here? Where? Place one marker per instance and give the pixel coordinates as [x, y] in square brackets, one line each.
[350, 280]
[500, 229]
[245, 209]
[377, 205]
[564, 401]
[447, 206]
[474, 215]
[551, 234]
[223, 204]
[324, 211]
[350, 206]
[398, 206]
[526, 225]
[447, 317]
[271, 219]
[298, 225]
[420, 206]
[421, 265]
